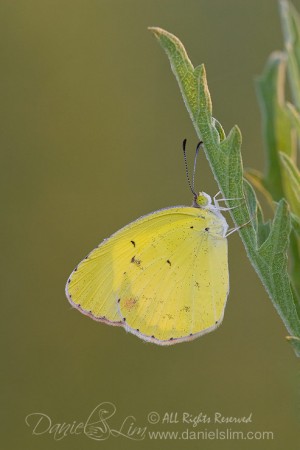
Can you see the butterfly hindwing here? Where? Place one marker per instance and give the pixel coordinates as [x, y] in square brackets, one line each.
[179, 287]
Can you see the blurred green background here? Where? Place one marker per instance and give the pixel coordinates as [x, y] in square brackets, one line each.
[91, 129]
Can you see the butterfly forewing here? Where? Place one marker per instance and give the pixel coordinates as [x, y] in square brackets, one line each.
[164, 276]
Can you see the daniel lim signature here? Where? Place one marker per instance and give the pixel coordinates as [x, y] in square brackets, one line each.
[98, 425]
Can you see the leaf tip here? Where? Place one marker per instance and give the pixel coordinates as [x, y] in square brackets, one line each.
[160, 32]
[235, 136]
[155, 30]
[200, 73]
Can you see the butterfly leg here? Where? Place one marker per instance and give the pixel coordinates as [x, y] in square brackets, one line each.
[221, 208]
[237, 228]
[224, 208]
[223, 199]
[215, 196]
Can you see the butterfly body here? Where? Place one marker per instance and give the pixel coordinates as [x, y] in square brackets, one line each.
[163, 277]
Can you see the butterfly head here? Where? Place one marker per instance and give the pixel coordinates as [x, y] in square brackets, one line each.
[202, 200]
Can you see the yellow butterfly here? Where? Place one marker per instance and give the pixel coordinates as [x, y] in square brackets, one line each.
[163, 277]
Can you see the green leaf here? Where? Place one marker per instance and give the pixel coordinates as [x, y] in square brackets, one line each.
[262, 228]
[290, 175]
[273, 252]
[295, 122]
[295, 262]
[278, 132]
[295, 223]
[291, 30]
[265, 244]
[291, 183]
[256, 178]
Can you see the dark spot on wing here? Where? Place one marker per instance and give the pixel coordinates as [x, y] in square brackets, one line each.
[124, 319]
[186, 309]
[75, 270]
[119, 300]
[135, 261]
[153, 336]
[69, 280]
[206, 229]
[169, 262]
[191, 334]
[133, 243]
[171, 339]
[192, 226]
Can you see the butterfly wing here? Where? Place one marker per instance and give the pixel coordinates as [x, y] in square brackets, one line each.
[164, 277]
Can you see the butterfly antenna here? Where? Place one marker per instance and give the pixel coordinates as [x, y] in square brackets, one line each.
[187, 169]
[195, 164]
